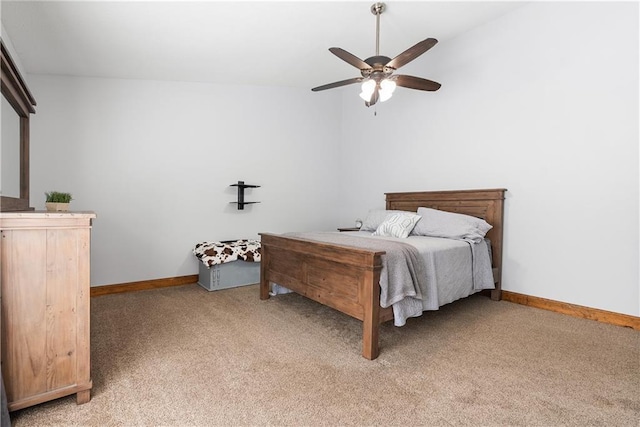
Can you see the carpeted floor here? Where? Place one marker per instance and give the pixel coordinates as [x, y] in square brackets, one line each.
[183, 356]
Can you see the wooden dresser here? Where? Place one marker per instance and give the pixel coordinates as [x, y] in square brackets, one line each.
[45, 281]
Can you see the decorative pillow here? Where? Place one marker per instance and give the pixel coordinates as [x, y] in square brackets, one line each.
[437, 223]
[397, 225]
[375, 217]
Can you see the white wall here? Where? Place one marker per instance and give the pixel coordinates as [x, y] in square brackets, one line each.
[543, 102]
[155, 160]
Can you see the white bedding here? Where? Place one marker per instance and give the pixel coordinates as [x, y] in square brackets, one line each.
[455, 269]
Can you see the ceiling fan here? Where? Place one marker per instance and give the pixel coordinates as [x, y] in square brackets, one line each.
[378, 80]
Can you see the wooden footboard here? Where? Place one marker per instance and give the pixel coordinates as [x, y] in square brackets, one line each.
[342, 277]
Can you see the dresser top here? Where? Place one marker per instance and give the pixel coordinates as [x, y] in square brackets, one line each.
[47, 214]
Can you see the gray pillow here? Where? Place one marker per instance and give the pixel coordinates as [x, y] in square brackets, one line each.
[375, 217]
[437, 223]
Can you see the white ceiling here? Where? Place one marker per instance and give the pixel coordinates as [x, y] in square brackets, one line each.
[265, 43]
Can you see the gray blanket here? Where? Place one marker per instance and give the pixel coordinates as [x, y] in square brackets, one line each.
[481, 264]
[403, 279]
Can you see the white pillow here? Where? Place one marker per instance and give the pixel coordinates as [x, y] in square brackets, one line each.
[375, 217]
[439, 223]
[397, 225]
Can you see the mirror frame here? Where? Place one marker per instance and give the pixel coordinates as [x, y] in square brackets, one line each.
[16, 92]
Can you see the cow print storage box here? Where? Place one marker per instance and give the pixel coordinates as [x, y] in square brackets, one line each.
[228, 264]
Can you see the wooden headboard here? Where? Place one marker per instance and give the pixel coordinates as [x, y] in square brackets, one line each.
[485, 204]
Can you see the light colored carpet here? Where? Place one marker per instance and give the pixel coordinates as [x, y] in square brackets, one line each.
[183, 356]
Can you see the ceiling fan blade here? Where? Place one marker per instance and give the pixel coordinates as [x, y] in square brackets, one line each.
[350, 58]
[412, 53]
[338, 84]
[412, 82]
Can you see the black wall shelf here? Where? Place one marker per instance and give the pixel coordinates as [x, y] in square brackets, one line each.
[241, 186]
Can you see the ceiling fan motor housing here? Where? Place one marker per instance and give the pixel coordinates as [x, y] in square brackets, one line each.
[378, 70]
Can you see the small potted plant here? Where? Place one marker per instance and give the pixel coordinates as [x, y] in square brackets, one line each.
[57, 201]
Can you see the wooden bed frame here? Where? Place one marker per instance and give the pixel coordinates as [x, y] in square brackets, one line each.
[347, 278]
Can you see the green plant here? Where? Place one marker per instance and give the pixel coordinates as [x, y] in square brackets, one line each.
[58, 197]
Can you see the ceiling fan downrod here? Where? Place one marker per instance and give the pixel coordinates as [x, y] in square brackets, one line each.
[377, 9]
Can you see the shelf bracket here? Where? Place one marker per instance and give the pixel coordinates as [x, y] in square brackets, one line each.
[241, 186]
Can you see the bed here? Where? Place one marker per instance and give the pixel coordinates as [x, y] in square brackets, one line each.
[347, 278]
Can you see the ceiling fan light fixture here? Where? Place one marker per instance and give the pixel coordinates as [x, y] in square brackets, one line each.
[368, 87]
[386, 89]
